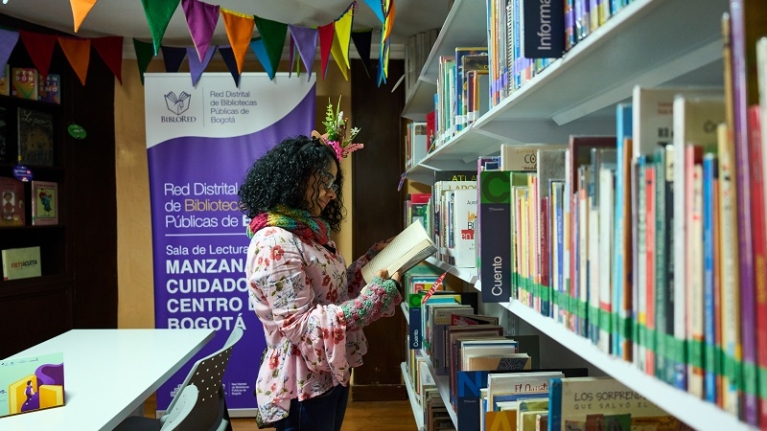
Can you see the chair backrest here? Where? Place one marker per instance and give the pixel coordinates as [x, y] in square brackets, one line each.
[207, 374]
[184, 404]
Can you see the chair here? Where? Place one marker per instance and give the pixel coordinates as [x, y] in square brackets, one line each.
[207, 373]
[175, 420]
[208, 412]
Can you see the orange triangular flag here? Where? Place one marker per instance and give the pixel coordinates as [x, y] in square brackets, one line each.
[239, 30]
[78, 52]
[80, 9]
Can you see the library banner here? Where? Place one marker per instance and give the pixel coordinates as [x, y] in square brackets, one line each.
[200, 143]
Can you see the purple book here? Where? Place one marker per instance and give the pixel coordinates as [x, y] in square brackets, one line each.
[740, 132]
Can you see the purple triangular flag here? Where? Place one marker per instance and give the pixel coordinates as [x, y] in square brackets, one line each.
[173, 57]
[8, 40]
[227, 53]
[196, 67]
[201, 18]
[292, 54]
[306, 41]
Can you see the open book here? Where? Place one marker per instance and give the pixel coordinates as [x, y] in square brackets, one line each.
[410, 247]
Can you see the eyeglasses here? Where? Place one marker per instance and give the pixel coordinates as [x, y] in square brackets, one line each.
[331, 186]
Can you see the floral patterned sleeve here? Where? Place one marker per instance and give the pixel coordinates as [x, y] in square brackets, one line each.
[318, 331]
[354, 272]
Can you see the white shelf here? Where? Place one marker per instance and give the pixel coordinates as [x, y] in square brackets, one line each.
[468, 275]
[443, 386]
[699, 414]
[645, 43]
[417, 410]
[419, 100]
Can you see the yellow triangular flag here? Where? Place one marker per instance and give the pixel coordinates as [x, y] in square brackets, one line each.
[343, 33]
[239, 30]
[78, 52]
[80, 9]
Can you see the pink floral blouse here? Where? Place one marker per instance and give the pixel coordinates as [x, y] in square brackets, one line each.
[296, 286]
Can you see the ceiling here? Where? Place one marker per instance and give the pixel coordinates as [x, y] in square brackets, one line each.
[126, 17]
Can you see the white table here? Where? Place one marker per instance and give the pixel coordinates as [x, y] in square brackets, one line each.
[108, 373]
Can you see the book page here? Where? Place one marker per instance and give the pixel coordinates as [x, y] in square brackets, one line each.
[410, 247]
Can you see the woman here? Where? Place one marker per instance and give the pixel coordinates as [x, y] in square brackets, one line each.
[312, 306]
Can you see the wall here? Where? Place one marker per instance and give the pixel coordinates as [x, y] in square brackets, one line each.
[134, 236]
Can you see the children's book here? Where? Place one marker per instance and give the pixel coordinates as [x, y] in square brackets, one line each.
[31, 383]
[21, 263]
[5, 81]
[45, 203]
[408, 248]
[12, 195]
[50, 90]
[24, 83]
[35, 137]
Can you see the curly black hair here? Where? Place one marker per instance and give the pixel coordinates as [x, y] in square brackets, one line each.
[281, 176]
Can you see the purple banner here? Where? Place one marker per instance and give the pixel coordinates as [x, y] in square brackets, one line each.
[199, 149]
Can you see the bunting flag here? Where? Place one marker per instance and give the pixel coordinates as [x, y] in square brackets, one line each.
[197, 66]
[201, 18]
[239, 30]
[8, 41]
[158, 15]
[326, 42]
[257, 45]
[292, 59]
[377, 7]
[383, 53]
[343, 31]
[110, 49]
[144, 54]
[40, 49]
[306, 43]
[273, 34]
[173, 57]
[362, 41]
[80, 9]
[227, 53]
[78, 52]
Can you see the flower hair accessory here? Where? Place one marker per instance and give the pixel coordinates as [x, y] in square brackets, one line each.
[335, 135]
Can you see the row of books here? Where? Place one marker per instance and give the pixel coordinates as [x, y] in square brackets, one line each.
[495, 381]
[27, 83]
[417, 50]
[23, 262]
[44, 197]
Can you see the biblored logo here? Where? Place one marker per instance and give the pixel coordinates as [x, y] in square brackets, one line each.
[178, 105]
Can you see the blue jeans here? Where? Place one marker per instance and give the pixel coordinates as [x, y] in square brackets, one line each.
[321, 413]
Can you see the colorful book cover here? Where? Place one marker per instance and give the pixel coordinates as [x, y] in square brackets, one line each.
[21, 263]
[709, 318]
[50, 91]
[12, 193]
[24, 83]
[31, 383]
[45, 203]
[572, 399]
[5, 81]
[35, 135]
[459, 111]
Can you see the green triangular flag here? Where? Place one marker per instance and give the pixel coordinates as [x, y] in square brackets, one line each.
[158, 15]
[272, 35]
[144, 54]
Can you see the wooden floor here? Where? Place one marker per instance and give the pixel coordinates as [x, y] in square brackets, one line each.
[360, 416]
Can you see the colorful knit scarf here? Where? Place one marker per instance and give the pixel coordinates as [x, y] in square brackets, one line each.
[299, 222]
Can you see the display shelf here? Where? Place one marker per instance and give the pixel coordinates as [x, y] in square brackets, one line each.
[698, 414]
[419, 100]
[417, 410]
[468, 275]
[464, 26]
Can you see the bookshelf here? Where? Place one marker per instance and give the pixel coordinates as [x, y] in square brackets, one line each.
[417, 410]
[645, 43]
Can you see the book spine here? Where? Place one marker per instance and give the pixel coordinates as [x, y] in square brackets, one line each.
[621, 236]
[555, 405]
[760, 251]
[673, 352]
[709, 320]
[495, 211]
[650, 268]
[694, 184]
[414, 330]
[743, 194]
[661, 255]
[640, 354]
[545, 255]
[606, 309]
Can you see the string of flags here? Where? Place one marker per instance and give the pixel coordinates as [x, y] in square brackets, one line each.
[332, 39]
